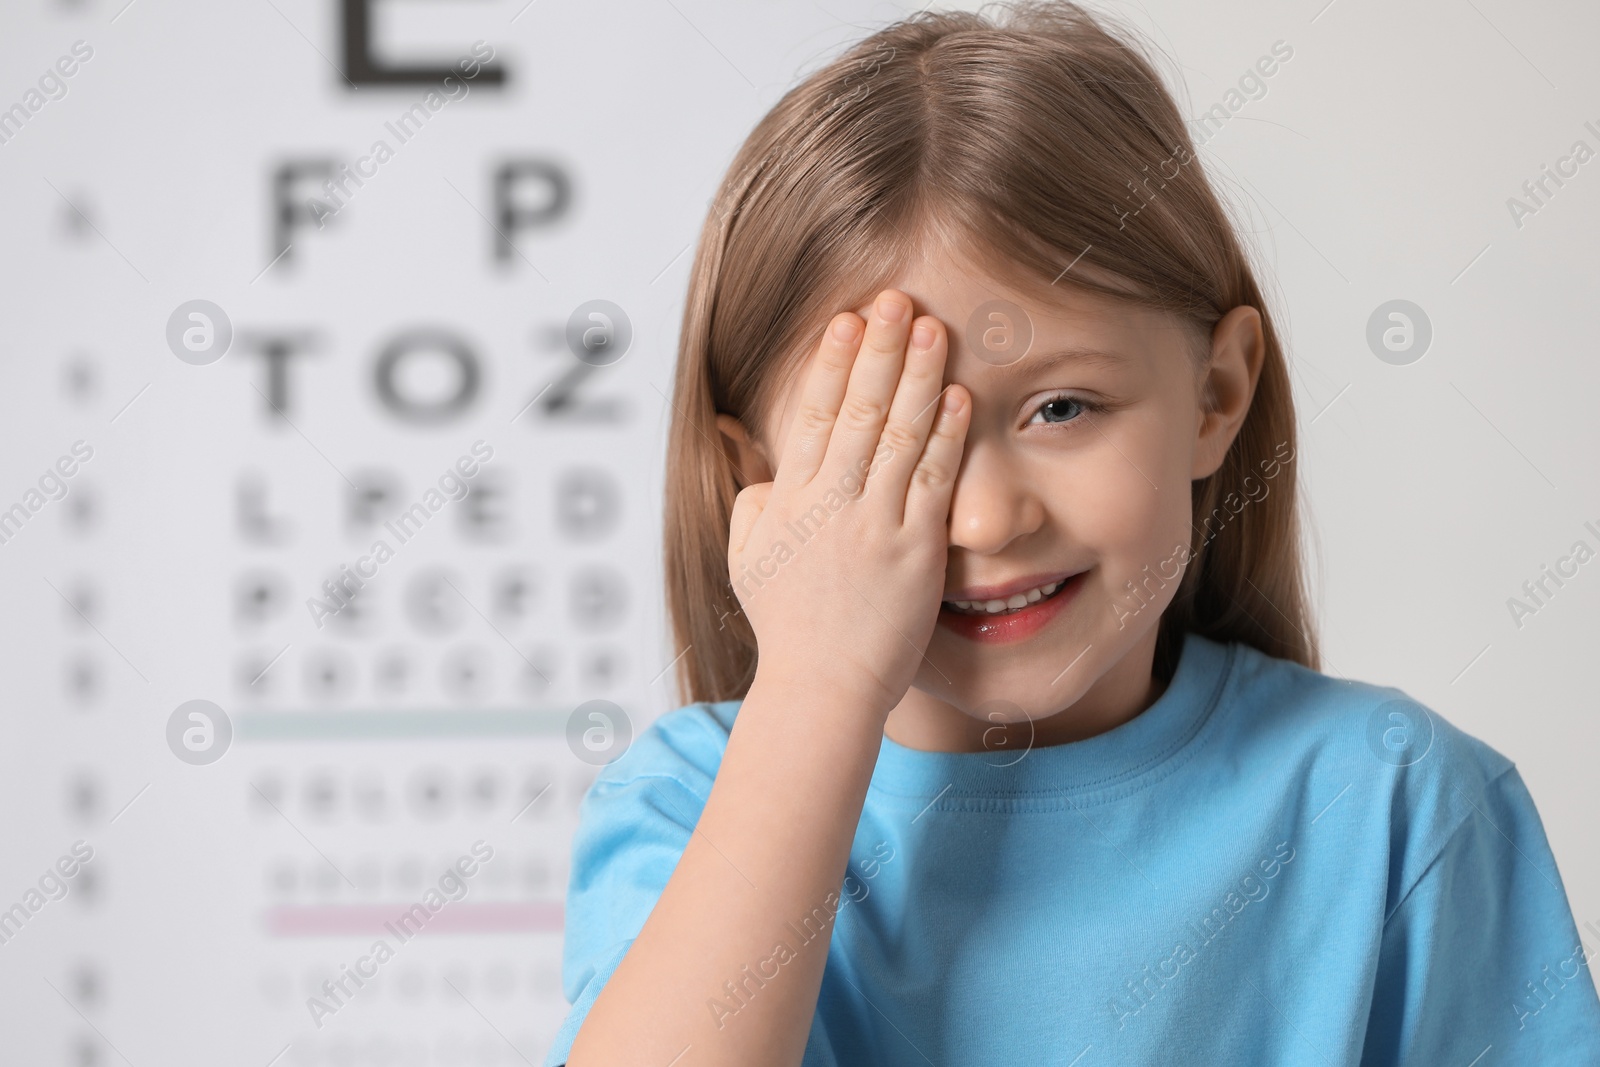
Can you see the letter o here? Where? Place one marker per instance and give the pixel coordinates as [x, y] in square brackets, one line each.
[425, 340]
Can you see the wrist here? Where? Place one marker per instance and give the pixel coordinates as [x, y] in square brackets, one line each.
[825, 699]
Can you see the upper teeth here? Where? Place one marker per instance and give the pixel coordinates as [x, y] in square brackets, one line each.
[1011, 603]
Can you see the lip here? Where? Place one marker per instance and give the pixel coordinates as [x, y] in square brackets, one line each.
[1018, 625]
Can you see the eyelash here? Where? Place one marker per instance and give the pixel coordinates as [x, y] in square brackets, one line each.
[1085, 405]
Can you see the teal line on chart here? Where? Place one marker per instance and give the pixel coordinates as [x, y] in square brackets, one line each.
[395, 725]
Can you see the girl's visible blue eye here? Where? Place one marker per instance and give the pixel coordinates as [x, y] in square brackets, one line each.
[1062, 409]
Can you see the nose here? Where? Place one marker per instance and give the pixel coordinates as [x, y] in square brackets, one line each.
[993, 502]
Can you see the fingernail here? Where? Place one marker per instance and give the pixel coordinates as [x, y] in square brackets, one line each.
[890, 310]
[922, 335]
[844, 330]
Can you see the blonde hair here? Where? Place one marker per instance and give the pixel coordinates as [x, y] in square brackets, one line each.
[1023, 137]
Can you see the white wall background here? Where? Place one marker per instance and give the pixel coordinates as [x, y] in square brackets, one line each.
[1377, 166]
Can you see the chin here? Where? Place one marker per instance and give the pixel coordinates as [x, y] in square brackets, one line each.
[1033, 680]
[993, 697]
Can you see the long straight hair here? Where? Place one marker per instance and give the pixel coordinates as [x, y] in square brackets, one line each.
[1047, 146]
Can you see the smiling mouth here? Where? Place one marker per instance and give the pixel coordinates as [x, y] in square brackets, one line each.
[1006, 606]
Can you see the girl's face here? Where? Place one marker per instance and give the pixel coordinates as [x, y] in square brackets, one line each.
[1075, 479]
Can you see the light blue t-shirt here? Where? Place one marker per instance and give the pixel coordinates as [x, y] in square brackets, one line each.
[1267, 866]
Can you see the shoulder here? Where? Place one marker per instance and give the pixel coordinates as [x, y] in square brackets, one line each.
[1397, 760]
[634, 822]
[641, 808]
[1279, 703]
[683, 746]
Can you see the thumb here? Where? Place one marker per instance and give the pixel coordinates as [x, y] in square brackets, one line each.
[747, 508]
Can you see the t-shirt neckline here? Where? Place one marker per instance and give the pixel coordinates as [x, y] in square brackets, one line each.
[1109, 760]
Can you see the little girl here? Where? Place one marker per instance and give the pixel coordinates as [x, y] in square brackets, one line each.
[1007, 742]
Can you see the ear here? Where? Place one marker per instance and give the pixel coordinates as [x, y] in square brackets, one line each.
[1228, 386]
[749, 459]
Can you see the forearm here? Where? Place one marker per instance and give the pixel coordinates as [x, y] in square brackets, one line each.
[770, 850]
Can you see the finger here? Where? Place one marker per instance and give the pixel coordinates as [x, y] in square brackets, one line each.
[872, 384]
[747, 508]
[911, 415]
[934, 479]
[820, 399]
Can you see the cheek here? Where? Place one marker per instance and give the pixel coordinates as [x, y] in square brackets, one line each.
[1127, 500]
[1127, 525]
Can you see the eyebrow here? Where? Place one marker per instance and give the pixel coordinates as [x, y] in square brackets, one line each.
[1054, 357]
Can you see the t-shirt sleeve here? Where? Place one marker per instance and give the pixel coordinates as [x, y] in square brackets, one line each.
[630, 836]
[1481, 961]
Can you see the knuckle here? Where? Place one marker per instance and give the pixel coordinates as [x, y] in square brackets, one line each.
[861, 411]
[837, 358]
[884, 342]
[948, 427]
[901, 436]
[814, 420]
[932, 473]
